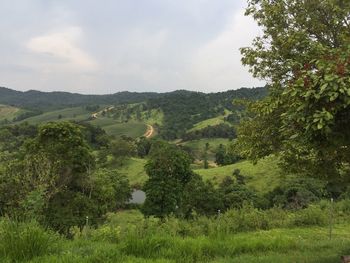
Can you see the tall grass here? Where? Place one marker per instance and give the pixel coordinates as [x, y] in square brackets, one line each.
[24, 241]
[246, 235]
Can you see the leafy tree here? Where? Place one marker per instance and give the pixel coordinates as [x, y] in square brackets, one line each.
[200, 198]
[169, 171]
[110, 189]
[234, 194]
[225, 155]
[220, 155]
[240, 179]
[297, 193]
[49, 176]
[205, 156]
[143, 146]
[303, 54]
[121, 149]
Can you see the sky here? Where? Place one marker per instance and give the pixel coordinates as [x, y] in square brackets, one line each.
[106, 46]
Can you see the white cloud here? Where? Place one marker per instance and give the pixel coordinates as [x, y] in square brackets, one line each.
[217, 64]
[61, 50]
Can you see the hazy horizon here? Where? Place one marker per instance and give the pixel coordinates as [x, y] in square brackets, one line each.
[155, 46]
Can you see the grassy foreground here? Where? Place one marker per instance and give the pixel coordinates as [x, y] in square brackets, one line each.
[247, 235]
[281, 245]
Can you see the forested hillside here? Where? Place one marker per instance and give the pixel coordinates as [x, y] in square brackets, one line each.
[174, 114]
[38, 100]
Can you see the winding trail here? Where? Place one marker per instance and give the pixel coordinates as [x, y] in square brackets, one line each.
[150, 131]
[95, 115]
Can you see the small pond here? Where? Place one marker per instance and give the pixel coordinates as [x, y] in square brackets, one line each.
[137, 197]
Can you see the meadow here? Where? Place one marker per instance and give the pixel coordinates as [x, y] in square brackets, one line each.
[263, 176]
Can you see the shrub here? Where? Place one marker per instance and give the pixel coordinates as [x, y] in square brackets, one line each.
[313, 215]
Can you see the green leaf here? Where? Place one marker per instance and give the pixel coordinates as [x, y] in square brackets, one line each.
[324, 86]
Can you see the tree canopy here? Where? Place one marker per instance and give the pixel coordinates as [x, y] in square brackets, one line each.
[169, 171]
[303, 54]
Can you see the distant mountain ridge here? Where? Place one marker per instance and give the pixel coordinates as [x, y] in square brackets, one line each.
[39, 100]
[34, 99]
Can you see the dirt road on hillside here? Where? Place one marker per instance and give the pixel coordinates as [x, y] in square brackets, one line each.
[95, 115]
[150, 131]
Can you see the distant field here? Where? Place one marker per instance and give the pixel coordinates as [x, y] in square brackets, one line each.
[132, 128]
[76, 113]
[102, 122]
[198, 147]
[210, 122]
[263, 176]
[8, 112]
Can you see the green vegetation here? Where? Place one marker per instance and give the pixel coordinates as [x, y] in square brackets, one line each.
[8, 112]
[65, 187]
[209, 122]
[72, 114]
[133, 129]
[197, 147]
[263, 176]
[154, 116]
[133, 169]
[272, 236]
[305, 118]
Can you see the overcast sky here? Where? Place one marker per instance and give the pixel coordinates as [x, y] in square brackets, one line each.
[106, 46]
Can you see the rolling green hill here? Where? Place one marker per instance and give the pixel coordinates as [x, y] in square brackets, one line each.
[71, 114]
[210, 122]
[132, 129]
[263, 176]
[33, 99]
[8, 112]
[175, 112]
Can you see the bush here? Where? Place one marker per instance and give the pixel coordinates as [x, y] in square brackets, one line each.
[312, 216]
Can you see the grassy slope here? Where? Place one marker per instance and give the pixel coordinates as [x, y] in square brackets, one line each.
[76, 113]
[132, 128]
[210, 122]
[263, 176]
[112, 127]
[8, 112]
[133, 168]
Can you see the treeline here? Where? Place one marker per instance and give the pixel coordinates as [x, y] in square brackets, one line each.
[218, 131]
[37, 100]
